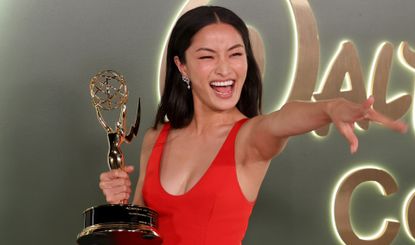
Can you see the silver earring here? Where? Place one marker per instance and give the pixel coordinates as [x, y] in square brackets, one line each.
[186, 80]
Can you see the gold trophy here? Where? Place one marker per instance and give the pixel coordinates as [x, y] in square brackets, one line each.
[116, 223]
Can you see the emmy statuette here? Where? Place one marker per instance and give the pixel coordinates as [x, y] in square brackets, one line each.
[123, 223]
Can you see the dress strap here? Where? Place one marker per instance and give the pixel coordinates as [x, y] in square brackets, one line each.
[163, 134]
[235, 129]
[155, 155]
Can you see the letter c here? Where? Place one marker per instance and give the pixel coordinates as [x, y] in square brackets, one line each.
[341, 207]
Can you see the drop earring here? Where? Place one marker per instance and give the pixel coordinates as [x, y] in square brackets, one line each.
[186, 80]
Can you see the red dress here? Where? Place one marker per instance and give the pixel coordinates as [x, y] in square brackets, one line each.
[214, 211]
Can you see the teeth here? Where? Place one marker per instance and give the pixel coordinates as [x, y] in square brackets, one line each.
[222, 84]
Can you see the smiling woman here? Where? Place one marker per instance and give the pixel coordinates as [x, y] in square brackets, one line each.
[204, 55]
[203, 162]
[216, 59]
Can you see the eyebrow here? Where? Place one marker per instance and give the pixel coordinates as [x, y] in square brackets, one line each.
[213, 51]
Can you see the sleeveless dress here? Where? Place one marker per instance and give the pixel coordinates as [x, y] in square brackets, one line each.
[214, 211]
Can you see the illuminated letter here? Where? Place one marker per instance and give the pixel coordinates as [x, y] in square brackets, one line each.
[307, 51]
[380, 76]
[341, 206]
[409, 215]
[345, 65]
[258, 48]
[407, 56]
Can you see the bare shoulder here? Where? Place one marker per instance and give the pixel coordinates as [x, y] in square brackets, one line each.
[149, 140]
[150, 137]
[244, 135]
[248, 128]
[256, 142]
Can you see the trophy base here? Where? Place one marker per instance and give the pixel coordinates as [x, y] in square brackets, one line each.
[119, 224]
[137, 237]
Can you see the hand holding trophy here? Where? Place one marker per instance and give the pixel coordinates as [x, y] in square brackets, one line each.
[116, 223]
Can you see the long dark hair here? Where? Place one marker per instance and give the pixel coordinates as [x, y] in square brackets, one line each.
[177, 101]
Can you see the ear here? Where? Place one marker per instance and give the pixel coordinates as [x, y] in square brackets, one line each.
[180, 66]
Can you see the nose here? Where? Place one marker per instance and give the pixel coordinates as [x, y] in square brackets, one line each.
[223, 67]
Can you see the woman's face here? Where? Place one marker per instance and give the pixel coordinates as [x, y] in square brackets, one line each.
[216, 64]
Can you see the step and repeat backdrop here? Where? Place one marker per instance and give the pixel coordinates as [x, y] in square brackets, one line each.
[53, 149]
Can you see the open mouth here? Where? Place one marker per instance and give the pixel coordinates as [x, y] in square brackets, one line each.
[223, 88]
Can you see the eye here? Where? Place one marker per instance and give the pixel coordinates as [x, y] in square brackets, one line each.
[205, 57]
[237, 54]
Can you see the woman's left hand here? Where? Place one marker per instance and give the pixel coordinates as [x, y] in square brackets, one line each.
[344, 114]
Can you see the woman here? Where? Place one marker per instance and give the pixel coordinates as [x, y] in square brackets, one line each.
[202, 170]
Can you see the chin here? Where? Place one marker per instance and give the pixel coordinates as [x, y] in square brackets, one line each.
[226, 105]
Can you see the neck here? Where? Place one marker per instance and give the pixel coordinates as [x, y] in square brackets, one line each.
[203, 122]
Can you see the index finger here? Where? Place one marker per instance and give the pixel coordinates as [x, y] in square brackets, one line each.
[395, 125]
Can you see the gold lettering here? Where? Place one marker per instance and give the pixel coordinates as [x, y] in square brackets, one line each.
[342, 204]
[410, 215]
[307, 49]
[407, 54]
[345, 65]
[381, 73]
[258, 48]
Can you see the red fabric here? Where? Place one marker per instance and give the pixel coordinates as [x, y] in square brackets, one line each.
[214, 211]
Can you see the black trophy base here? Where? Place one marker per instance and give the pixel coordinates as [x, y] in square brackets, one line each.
[118, 225]
[118, 238]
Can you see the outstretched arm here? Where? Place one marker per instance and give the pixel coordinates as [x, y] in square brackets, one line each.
[266, 135]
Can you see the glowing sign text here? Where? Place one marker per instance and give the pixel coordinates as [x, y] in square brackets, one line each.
[387, 186]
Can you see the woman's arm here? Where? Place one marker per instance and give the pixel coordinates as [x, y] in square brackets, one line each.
[265, 136]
